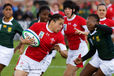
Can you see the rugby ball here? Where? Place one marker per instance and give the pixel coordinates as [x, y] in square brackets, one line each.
[31, 34]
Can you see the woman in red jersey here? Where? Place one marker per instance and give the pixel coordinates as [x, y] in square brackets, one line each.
[74, 29]
[31, 61]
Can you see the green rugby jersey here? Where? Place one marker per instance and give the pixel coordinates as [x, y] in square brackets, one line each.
[7, 32]
[101, 41]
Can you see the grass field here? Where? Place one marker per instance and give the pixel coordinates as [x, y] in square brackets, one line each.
[56, 68]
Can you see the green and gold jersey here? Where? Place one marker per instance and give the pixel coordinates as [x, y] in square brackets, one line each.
[7, 32]
[101, 40]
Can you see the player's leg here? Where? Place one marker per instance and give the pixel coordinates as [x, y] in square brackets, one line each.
[1, 67]
[20, 73]
[99, 73]
[88, 70]
[46, 62]
[70, 70]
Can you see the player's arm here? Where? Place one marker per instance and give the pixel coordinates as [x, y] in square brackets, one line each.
[88, 55]
[22, 43]
[83, 25]
[61, 48]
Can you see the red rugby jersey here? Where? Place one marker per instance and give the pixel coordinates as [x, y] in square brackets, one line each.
[107, 22]
[47, 40]
[110, 12]
[69, 29]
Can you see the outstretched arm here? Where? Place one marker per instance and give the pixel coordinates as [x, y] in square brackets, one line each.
[62, 50]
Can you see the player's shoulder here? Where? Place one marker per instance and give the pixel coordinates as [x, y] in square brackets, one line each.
[34, 21]
[14, 22]
[0, 20]
[80, 18]
[110, 21]
[40, 24]
[59, 34]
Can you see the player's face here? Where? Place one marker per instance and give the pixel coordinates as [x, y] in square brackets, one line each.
[68, 12]
[58, 25]
[8, 12]
[101, 11]
[91, 22]
[44, 15]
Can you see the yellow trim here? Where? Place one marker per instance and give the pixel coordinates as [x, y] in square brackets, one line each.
[10, 18]
[4, 26]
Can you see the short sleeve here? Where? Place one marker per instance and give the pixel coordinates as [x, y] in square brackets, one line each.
[60, 39]
[19, 29]
[82, 21]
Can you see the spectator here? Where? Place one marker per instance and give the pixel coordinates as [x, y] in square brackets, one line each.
[18, 15]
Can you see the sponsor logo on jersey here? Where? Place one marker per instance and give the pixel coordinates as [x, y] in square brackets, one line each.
[93, 38]
[9, 29]
[41, 34]
[4, 26]
[65, 26]
[97, 38]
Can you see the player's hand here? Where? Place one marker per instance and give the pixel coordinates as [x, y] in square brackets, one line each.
[80, 32]
[78, 61]
[56, 47]
[28, 40]
[21, 50]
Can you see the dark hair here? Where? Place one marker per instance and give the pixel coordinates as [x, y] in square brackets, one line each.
[95, 16]
[72, 5]
[55, 17]
[101, 5]
[42, 8]
[5, 5]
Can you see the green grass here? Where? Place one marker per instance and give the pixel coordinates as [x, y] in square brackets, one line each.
[56, 68]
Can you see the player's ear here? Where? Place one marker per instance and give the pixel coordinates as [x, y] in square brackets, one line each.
[52, 21]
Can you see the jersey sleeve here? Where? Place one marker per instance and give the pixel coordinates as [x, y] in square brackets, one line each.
[60, 39]
[19, 29]
[91, 51]
[83, 24]
[82, 21]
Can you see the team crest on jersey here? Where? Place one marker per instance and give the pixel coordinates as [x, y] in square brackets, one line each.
[9, 29]
[41, 34]
[52, 40]
[74, 25]
[65, 26]
[0, 26]
[4, 26]
[93, 38]
[97, 38]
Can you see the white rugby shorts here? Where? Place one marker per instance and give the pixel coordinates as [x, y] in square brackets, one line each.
[6, 55]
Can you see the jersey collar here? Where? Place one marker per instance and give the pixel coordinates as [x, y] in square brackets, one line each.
[109, 5]
[103, 19]
[48, 28]
[71, 18]
[93, 32]
[9, 23]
